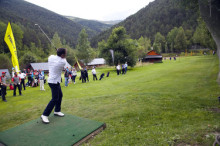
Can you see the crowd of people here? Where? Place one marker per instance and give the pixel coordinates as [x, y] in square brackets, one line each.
[122, 69]
[37, 77]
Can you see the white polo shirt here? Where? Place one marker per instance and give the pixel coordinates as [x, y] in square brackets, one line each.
[56, 65]
[22, 75]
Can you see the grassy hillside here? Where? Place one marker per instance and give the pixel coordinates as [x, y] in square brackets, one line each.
[174, 102]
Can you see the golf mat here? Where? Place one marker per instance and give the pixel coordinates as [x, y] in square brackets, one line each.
[62, 131]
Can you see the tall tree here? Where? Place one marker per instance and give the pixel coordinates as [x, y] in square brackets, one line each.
[123, 48]
[83, 47]
[202, 36]
[171, 38]
[180, 41]
[57, 42]
[159, 43]
[144, 46]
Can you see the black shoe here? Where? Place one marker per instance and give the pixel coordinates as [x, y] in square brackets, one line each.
[14, 95]
[4, 100]
[20, 94]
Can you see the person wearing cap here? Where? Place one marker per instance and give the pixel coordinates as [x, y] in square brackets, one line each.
[3, 86]
[16, 80]
[56, 64]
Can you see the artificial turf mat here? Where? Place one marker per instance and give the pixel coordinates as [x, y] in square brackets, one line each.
[62, 131]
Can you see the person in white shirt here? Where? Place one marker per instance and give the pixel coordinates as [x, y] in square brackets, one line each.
[94, 74]
[56, 65]
[23, 77]
[74, 74]
[118, 69]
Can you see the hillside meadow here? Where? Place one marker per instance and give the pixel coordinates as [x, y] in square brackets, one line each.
[169, 103]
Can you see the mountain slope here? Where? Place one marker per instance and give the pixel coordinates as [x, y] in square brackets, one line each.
[92, 26]
[159, 16]
[27, 15]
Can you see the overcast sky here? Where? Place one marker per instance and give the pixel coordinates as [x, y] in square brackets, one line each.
[94, 9]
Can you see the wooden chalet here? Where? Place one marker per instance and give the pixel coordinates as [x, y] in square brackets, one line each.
[152, 57]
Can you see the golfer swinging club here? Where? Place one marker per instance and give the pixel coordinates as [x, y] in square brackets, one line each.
[56, 65]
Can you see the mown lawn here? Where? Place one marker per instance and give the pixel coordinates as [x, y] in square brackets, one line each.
[169, 103]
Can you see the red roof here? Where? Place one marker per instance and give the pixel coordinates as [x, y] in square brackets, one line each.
[152, 53]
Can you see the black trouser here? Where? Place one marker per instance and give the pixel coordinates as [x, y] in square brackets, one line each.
[83, 79]
[19, 89]
[3, 92]
[94, 77]
[30, 81]
[22, 83]
[73, 78]
[56, 99]
[87, 77]
[123, 71]
[118, 72]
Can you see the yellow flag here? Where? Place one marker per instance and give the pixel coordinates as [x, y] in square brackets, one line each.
[78, 63]
[10, 41]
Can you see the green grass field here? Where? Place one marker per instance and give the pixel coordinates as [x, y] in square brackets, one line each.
[169, 103]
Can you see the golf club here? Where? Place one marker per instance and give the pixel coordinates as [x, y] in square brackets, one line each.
[45, 35]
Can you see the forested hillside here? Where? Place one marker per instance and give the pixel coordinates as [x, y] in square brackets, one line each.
[159, 16]
[26, 15]
[92, 26]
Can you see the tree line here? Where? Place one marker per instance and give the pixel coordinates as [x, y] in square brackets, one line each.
[125, 49]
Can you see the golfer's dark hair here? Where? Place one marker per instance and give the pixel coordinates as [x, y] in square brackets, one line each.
[61, 51]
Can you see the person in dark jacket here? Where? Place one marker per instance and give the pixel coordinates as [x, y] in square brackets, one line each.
[86, 74]
[83, 78]
[3, 86]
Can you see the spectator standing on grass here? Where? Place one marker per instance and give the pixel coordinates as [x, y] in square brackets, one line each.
[123, 69]
[41, 78]
[16, 80]
[126, 67]
[94, 73]
[3, 86]
[66, 75]
[56, 64]
[83, 77]
[118, 68]
[74, 74]
[23, 77]
[29, 77]
[36, 78]
[86, 74]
